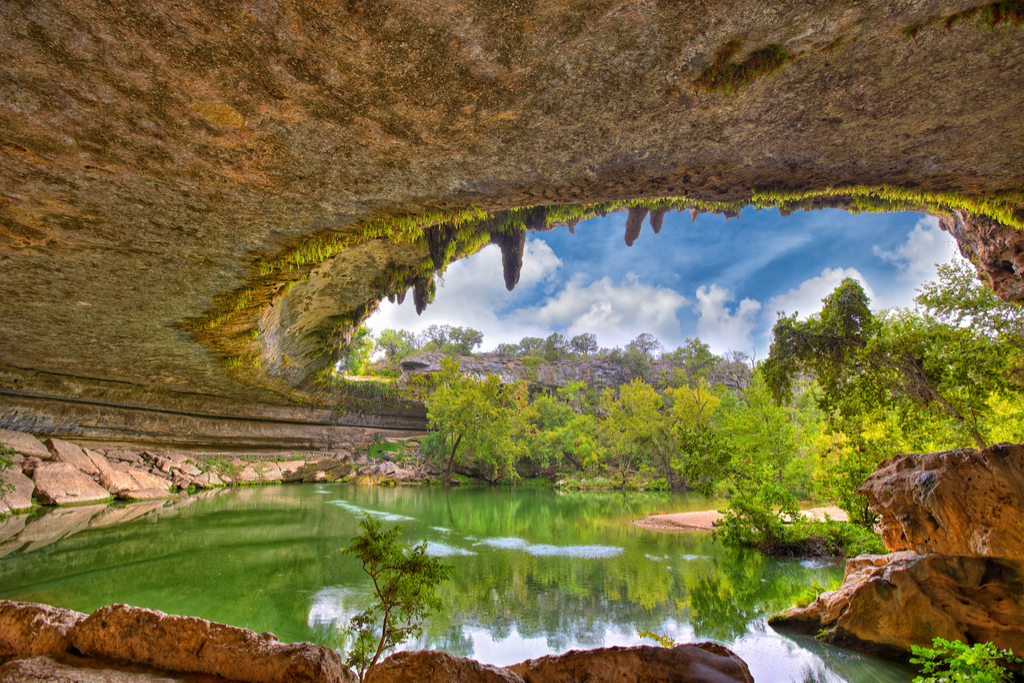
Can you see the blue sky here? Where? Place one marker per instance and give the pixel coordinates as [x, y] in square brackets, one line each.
[717, 279]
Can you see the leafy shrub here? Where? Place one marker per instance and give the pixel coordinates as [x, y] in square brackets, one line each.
[953, 661]
[404, 581]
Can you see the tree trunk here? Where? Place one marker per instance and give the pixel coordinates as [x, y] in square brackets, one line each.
[451, 462]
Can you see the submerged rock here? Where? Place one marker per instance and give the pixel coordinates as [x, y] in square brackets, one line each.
[28, 629]
[706, 662]
[962, 502]
[431, 665]
[194, 645]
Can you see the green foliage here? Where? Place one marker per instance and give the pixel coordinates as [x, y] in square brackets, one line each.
[696, 358]
[659, 638]
[731, 78]
[454, 341]
[357, 353]
[396, 344]
[380, 445]
[404, 581]
[6, 461]
[954, 662]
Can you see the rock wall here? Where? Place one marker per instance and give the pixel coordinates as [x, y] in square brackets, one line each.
[184, 183]
[131, 645]
[954, 520]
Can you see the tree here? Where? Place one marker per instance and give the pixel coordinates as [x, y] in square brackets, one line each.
[396, 344]
[481, 416]
[555, 347]
[584, 344]
[633, 426]
[357, 354]
[646, 343]
[696, 358]
[463, 341]
[404, 581]
[529, 346]
[904, 359]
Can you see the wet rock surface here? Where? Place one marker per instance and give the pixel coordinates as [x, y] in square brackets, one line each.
[707, 662]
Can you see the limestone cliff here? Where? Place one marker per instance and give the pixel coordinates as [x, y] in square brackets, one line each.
[201, 200]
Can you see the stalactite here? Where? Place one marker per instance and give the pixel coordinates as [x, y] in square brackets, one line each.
[512, 245]
[657, 218]
[634, 222]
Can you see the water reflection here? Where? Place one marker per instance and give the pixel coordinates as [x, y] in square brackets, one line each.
[536, 572]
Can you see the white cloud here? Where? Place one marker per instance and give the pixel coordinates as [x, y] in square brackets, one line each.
[720, 328]
[806, 299]
[926, 245]
[616, 313]
[472, 295]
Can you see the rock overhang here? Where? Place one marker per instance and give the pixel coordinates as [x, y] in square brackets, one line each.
[159, 158]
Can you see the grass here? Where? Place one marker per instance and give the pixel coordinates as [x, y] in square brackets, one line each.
[731, 78]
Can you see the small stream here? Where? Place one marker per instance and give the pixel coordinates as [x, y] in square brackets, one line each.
[536, 572]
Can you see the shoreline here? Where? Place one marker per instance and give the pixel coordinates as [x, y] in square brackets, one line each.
[705, 520]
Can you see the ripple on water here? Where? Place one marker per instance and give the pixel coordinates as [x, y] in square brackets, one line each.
[543, 550]
[435, 549]
[385, 516]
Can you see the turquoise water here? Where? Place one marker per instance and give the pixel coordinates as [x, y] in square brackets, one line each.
[536, 572]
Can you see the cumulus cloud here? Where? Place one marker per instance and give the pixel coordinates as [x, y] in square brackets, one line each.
[473, 295]
[613, 311]
[806, 299]
[926, 245]
[721, 328]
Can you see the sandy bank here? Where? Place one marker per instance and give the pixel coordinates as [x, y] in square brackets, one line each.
[704, 520]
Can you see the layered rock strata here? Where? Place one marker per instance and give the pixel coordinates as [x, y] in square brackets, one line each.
[49, 645]
[954, 521]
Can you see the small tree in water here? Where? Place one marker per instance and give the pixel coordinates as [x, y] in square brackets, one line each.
[404, 580]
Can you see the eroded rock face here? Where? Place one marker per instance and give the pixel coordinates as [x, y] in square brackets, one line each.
[28, 629]
[889, 602]
[963, 502]
[996, 250]
[431, 665]
[48, 670]
[707, 662]
[190, 644]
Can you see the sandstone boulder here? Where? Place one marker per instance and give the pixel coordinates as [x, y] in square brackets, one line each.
[146, 494]
[327, 469]
[28, 629]
[63, 451]
[962, 502]
[291, 470]
[59, 483]
[189, 644]
[431, 665]
[25, 444]
[706, 662]
[889, 602]
[47, 670]
[20, 497]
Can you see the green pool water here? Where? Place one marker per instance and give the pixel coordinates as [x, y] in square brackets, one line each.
[535, 572]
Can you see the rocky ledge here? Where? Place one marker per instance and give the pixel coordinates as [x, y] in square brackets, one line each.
[134, 645]
[62, 473]
[954, 519]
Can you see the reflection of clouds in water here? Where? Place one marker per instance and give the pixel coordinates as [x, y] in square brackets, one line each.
[332, 606]
[435, 549]
[514, 648]
[590, 552]
[355, 509]
[441, 529]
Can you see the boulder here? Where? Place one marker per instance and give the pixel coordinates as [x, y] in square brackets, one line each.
[29, 630]
[59, 483]
[889, 602]
[431, 665]
[63, 451]
[291, 470]
[146, 494]
[269, 471]
[706, 662]
[148, 480]
[194, 645]
[97, 459]
[327, 469]
[47, 670]
[20, 497]
[25, 444]
[209, 480]
[963, 502]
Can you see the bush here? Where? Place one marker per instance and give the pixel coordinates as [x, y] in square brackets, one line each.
[404, 581]
[953, 661]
